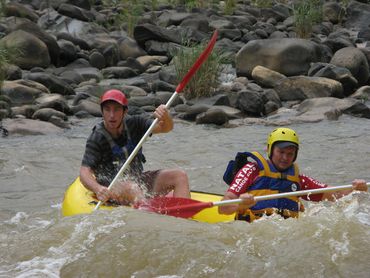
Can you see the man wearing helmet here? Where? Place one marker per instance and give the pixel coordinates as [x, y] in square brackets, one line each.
[276, 175]
[110, 144]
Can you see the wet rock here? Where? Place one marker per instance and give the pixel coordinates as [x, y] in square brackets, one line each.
[362, 93]
[34, 51]
[12, 72]
[75, 40]
[250, 103]
[118, 72]
[89, 106]
[303, 87]
[341, 74]
[193, 111]
[68, 52]
[44, 114]
[286, 56]
[29, 127]
[15, 9]
[129, 48]
[75, 12]
[150, 100]
[353, 59]
[266, 77]
[49, 40]
[54, 101]
[145, 32]
[322, 108]
[97, 60]
[213, 115]
[25, 110]
[23, 92]
[52, 82]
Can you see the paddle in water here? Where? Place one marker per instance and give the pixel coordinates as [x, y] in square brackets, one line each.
[203, 56]
[186, 208]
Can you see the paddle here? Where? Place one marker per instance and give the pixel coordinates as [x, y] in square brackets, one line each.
[186, 208]
[202, 57]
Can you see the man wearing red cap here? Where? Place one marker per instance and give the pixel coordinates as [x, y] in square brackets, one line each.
[111, 143]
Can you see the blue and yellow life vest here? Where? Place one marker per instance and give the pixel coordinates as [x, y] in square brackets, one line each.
[272, 181]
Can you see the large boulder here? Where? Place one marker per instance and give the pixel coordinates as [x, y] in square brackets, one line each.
[52, 82]
[49, 40]
[355, 60]
[33, 52]
[213, 115]
[29, 127]
[23, 91]
[341, 74]
[303, 87]
[129, 48]
[358, 15]
[266, 77]
[15, 9]
[286, 56]
[145, 32]
[332, 108]
[75, 12]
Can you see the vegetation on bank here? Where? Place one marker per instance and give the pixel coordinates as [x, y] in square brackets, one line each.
[206, 79]
[127, 14]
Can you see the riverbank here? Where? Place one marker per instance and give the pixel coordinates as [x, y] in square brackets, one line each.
[273, 75]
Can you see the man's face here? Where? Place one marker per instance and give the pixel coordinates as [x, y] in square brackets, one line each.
[283, 158]
[113, 113]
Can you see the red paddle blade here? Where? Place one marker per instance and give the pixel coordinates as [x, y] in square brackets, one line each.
[178, 207]
[203, 56]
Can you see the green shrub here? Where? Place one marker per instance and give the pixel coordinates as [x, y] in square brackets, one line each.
[262, 3]
[126, 14]
[344, 4]
[206, 79]
[2, 8]
[306, 14]
[230, 6]
[133, 9]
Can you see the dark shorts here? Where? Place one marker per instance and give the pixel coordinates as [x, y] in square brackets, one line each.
[148, 179]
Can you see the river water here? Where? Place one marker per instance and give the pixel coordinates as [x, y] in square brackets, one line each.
[328, 240]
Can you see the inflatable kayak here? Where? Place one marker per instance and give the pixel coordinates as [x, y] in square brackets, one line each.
[79, 200]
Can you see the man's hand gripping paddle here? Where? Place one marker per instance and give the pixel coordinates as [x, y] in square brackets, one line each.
[203, 56]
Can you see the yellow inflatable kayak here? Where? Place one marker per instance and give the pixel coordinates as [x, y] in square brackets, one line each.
[79, 200]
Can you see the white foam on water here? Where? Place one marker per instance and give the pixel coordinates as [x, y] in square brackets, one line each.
[18, 218]
[364, 218]
[39, 267]
[19, 169]
[78, 243]
[57, 206]
[339, 248]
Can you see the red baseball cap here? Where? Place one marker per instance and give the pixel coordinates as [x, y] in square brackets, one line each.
[114, 95]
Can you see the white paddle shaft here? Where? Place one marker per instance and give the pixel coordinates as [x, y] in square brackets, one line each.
[288, 194]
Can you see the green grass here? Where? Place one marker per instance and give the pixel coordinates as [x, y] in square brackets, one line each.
[206, 79]
[2, 7]
[230, 6]
[126, 14]
[306, 14]
[262, 3]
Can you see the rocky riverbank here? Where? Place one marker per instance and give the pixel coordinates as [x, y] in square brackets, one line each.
[69, 59]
